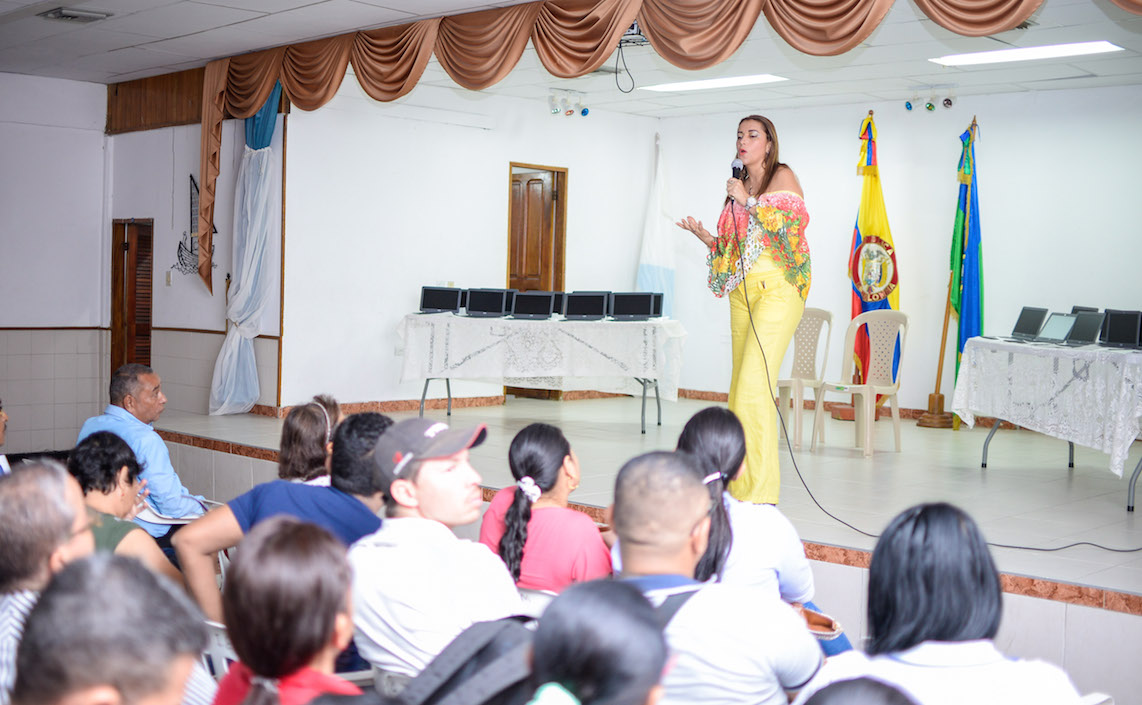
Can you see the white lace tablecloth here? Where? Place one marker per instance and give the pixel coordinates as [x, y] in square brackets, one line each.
[605, 356]
[1090, 395]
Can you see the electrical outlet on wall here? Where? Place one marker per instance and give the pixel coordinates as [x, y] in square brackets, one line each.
[168, 277]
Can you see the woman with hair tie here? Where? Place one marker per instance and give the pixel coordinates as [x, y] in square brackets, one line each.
[599, 643]
[545, 544]
[760, 259]
[307, 441]
[288, 616]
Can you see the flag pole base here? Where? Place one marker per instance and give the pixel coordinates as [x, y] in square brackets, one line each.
[935, 416]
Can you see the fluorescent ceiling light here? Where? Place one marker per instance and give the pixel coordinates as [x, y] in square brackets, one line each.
[711, 83]
[1053, 51]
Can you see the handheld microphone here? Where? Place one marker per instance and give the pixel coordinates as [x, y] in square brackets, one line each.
[736, 165]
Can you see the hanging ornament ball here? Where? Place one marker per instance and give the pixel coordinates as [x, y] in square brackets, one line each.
[584, 112]
[947, 102]
[907, 105]
[929, 106]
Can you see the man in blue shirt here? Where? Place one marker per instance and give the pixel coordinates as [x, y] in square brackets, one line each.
[137, 400]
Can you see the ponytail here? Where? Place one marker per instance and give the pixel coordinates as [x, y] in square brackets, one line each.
[536, 456]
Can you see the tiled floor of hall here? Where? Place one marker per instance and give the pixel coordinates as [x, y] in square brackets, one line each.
[1026, 496]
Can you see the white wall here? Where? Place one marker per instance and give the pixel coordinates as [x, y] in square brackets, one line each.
[384, 198]
[51, 201]
[150, 179]
[1058, 185]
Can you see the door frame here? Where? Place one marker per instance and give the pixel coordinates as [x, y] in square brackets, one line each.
[124, 290]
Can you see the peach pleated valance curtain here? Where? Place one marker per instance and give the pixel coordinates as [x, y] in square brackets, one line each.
[571, 38]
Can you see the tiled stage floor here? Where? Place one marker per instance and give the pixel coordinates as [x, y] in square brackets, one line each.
[1026, 496]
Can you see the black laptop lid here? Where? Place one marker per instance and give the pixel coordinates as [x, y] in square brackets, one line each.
[437, 299]
[1087, 326]
[585, 305]
[657, 304]
[632, 305]
[533, 304]
[487, 302]
[558, 306]
[1030, 322]
[1122, 328]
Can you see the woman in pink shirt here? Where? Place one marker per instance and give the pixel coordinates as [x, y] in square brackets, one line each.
[545, 544]
[287, 610]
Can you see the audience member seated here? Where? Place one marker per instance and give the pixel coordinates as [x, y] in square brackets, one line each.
[859, 691]
[116, 651]
[45, 526]
[934, 606]
[109, 476]
[734, 643]
[545, 544]
[286, 603]
[763, 546]
[415, 584]
[307, 441]
[598, 642]
[5, 468]
[137, 400]
[348, 508]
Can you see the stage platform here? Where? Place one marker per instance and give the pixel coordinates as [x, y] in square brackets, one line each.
[1026, 496]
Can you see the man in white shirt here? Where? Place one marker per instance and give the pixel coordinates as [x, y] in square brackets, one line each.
[416, 586]
[733, 643]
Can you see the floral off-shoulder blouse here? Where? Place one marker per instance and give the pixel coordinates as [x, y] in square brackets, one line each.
[775, 226]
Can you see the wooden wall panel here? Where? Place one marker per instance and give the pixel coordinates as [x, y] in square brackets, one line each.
[157, 101]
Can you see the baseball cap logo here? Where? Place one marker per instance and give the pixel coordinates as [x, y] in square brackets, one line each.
[434, 429]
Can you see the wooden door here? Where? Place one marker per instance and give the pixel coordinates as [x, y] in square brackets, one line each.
[132, 276]
[536, 239]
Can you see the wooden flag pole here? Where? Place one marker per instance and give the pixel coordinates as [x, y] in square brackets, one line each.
[935, 416]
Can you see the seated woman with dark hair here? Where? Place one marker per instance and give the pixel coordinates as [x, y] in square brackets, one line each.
[288, 615]
[106, 469]
[545, 544]
[307, 441]
[934, 607]
[598, 642]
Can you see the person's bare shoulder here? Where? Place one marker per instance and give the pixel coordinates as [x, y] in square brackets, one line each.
[785, 180]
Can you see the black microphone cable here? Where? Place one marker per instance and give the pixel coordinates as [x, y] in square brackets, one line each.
[789, 443]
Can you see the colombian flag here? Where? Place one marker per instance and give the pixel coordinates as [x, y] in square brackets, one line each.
[966, 292]
[872, 258]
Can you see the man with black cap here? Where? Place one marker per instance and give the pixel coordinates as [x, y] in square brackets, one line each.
[416, 586]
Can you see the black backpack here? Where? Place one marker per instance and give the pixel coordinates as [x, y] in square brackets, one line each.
[488, 664]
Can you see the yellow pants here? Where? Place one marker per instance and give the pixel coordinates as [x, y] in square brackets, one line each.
[777, 307]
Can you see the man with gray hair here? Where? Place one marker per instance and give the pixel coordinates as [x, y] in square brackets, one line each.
[43, 527]
[137, 400]
[114, 650]
[733, 643]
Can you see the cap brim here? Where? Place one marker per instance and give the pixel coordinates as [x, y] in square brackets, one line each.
[453, 441]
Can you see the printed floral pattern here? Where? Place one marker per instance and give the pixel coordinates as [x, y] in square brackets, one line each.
[777, 226]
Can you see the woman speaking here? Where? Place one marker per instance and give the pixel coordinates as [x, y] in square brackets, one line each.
[760, 258]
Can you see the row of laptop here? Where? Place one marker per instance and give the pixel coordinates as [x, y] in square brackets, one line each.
[539, 305]
[1082, 326]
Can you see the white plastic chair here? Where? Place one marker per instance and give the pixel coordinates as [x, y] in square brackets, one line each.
[219, 653]
[884, 327]
[535, 601]
[805, 373]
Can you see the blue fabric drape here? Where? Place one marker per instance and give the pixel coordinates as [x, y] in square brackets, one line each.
[260, 127]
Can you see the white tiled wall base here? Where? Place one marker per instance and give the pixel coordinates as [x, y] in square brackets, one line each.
[51, 381]
[185, 361]
[1098, 648]
[217, 475]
